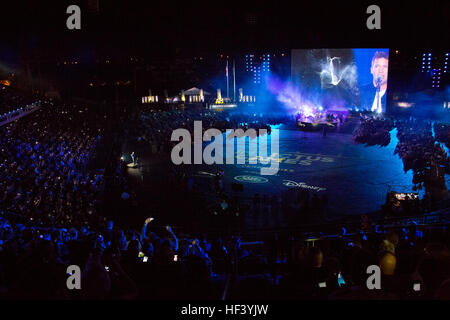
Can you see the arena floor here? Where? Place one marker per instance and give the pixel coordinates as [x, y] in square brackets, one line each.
[355, 177]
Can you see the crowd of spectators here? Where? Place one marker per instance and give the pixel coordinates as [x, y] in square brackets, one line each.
[45, 174]
[419, 146]
[158, 125]
[51, 195]
[120, 263]
[421, 152]
[442, 133]
[373, 131]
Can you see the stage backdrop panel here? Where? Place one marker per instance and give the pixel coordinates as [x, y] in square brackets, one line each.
[342, 79]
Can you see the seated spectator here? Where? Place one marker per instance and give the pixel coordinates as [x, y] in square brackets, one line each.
[95, 279]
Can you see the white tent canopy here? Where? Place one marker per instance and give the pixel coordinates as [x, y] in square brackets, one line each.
[195, 92]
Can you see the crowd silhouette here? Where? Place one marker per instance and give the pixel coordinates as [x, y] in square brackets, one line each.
[52, 189]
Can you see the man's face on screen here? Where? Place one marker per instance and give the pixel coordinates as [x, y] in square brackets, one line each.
[380, 69]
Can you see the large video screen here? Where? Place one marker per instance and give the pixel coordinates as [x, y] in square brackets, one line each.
[342, 79]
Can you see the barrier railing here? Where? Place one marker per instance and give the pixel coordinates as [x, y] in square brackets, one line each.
[19, 113]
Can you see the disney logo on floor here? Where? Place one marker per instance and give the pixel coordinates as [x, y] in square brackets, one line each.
[290, 183]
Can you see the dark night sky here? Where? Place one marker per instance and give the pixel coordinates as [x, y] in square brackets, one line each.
[165, 33]
[159, 27]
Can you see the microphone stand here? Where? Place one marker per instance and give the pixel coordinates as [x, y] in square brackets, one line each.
[377, 96]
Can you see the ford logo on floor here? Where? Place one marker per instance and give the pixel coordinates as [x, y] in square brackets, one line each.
[251, 179]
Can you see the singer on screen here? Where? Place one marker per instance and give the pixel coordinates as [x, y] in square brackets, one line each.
[373, 95]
